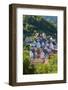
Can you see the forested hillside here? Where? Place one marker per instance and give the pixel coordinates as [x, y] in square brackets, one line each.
[33, 24]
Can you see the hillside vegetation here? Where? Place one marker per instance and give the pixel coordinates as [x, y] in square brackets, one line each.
[32, 25]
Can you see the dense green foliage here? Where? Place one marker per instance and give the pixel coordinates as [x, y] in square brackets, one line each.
[51, 67]
[33, 24]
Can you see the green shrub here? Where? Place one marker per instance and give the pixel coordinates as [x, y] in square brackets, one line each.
[41, 68]
[27, 67]
[51, 67]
